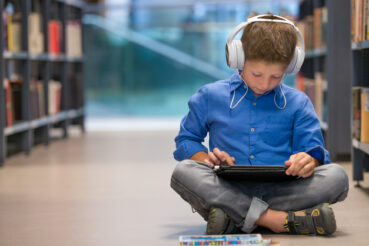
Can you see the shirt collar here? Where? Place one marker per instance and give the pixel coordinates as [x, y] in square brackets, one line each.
[236, 81]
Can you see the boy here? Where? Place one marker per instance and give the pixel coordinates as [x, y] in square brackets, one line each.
[253, 119]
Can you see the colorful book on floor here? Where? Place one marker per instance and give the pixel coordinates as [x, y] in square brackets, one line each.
[242, 239]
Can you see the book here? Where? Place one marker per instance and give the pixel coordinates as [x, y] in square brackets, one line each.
[353, 20]
[359, 20]
[5, 31]
[310, 89]
[16, 89]
[54, 97]
[54, 37]
[323, 27]
[8, 102]
[35, 35]
[242, 239]
[364, 133]
[318, 102]
[356, 112]
[74, 39]
[317, 28]
[41, 99]
[15, 33]
[313, 28]
[35, 99]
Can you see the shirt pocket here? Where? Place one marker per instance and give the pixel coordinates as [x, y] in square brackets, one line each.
[276, 134]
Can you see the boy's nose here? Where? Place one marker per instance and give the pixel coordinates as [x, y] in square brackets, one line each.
[264, 86]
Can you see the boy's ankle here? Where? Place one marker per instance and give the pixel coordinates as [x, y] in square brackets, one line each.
[273, 220]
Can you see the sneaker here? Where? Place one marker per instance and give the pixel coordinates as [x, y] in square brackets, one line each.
[219, 223]
[318, 220]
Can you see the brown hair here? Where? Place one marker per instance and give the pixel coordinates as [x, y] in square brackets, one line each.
[270, 42]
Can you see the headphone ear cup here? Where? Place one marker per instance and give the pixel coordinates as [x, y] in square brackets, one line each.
[234, 54]
[296, 62]
[240, 54]
[300, 59]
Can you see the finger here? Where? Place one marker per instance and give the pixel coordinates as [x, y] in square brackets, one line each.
[221, 155]
[306, 175]
[296, 161]
[211, 164]
[299, 156]
[289, 169]
[214, 159]
[230, 161]
[306, 169]
[292, 157]
[289, 163]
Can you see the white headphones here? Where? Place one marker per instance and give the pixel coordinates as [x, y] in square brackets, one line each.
[234, 51]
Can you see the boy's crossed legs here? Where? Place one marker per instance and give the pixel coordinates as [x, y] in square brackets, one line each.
[249, 204]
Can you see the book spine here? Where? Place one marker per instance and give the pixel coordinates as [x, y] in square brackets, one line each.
[356, 112]
[364, 136]
[5, 30]
[9, 108]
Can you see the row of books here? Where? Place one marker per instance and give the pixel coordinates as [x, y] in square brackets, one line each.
[13, 35]
[316, 90]
[359, 20]
[314, 29]
[360, 113]
[241, 239]
[13, 99]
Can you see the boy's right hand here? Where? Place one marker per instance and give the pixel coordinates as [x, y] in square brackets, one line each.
[218, 157]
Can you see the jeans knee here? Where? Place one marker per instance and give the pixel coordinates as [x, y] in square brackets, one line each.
[340, 182]
[182, 169]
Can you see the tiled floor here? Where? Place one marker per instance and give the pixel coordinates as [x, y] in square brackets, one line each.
[113, 189]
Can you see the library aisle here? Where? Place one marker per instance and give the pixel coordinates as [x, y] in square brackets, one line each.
[112, 188]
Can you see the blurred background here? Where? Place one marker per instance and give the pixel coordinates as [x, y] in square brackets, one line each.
[145, 58]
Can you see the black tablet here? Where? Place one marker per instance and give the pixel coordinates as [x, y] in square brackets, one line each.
[266, 173]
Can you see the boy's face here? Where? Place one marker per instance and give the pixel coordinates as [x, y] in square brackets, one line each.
[261, 76]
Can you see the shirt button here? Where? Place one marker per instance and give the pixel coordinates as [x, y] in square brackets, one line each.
[254, 103]
[252, 157]
[252, 129]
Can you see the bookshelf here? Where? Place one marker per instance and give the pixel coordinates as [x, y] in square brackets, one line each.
[360, 83]
[42, 72]
[322, 61]
[360, 143]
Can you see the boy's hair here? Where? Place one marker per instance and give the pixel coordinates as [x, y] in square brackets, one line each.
[271, 42]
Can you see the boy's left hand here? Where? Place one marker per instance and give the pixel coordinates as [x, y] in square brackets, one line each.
[301, 164]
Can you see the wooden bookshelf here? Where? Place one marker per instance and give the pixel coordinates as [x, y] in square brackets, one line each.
[360, 46]
[61, 66]
[315, 53]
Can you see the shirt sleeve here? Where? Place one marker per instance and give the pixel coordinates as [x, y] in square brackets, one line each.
[307, 134]
[193, 127]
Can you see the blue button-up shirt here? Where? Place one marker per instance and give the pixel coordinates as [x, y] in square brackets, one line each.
[256, 132]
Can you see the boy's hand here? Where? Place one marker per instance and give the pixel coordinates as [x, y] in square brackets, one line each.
[218, 157]
[301, 164]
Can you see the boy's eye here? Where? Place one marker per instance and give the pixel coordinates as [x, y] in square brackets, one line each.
[256, 75]
[277, 77]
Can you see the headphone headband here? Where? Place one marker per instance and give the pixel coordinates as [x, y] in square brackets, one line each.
[258, 19]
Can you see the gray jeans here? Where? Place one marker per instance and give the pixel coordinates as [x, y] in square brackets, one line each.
[245, 201]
